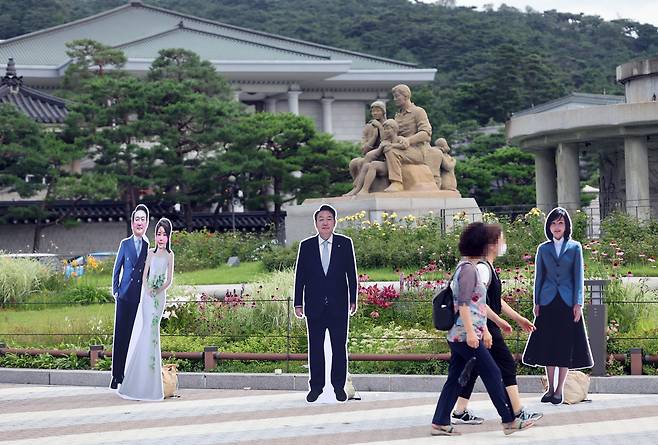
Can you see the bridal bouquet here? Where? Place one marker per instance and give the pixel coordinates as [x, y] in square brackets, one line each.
[156, 282]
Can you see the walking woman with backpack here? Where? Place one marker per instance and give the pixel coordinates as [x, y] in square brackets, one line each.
[468, 336]
[499, 351]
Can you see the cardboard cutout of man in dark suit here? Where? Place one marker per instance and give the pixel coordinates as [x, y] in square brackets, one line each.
[326, 294]
[126, 289]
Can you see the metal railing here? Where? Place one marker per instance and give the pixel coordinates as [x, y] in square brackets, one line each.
[595, 309]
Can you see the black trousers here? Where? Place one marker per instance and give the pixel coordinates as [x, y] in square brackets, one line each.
[460, 353]
[337, 327]
[124, 319]
[503, 358]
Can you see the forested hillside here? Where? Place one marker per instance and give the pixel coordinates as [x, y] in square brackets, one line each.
[489, 63]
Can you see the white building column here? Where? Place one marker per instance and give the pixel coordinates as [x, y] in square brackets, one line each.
[270, 105]
[545, 179]
[636, 162]
[293, 101]
[327, 115]
[236, 95]
[568, 177]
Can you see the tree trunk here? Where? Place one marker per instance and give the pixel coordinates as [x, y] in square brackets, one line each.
[187, 208]
[130, 200]
[126, 217]
[281, 237]
[38, 228]
[36, 241]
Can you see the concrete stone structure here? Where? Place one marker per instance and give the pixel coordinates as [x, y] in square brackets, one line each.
[268, 72]
[446, 203]
[623, 130]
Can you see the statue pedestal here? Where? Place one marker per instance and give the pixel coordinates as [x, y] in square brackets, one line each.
[299, 219]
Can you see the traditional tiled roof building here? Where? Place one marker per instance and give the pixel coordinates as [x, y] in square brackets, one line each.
[41, 107]
[268, 72]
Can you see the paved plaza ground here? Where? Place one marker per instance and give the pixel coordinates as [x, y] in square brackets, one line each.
[70, 415]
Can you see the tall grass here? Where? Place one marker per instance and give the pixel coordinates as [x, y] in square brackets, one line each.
[19, 278]
[80, 326]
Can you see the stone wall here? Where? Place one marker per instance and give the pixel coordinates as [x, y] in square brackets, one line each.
[349, 117]
[312, 109]
[84, 238]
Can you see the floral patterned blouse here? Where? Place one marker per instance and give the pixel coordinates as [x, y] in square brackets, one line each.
[468, 289]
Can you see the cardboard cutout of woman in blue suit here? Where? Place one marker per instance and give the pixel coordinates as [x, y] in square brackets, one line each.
[560, 340]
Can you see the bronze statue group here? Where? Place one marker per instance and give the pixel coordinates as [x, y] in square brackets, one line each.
[325, 295]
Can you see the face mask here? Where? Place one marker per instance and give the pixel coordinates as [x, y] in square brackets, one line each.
[502, 250]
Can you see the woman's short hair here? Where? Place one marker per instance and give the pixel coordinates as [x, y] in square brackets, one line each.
[493, 233]
[555, 214]
[474, 240]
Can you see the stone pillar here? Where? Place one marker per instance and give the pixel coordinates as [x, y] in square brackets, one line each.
[293, 101]
[568, 177]
[327, 115]
[270, 105]
[636, 161]
[545, 179]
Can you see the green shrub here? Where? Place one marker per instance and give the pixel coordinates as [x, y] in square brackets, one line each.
[43, 361]
[204, 249]
[625, 240]
[280, 257]
[87, 294]
[266, 309]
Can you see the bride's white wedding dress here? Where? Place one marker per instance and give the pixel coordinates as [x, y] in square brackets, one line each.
[143, 375]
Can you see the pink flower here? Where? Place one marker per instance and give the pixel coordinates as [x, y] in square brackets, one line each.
[374, 314]
[629, 274]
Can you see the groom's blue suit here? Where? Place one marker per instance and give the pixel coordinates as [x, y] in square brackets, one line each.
[127, 288]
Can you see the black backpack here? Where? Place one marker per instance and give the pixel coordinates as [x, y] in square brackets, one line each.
[443, 307]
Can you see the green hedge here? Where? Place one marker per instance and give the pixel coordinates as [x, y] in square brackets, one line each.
[205, 250]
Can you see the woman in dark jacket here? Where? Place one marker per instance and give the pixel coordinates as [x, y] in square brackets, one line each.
[560, 340]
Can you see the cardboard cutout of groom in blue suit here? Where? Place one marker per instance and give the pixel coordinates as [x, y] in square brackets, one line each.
[127, 289]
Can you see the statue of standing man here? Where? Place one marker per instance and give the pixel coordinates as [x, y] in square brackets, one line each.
[415, 132]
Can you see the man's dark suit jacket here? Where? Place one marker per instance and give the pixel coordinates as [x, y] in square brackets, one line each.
[319, 292]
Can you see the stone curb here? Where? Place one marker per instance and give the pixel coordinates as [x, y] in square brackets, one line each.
[299, 382]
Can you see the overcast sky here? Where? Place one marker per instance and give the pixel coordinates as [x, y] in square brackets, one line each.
[643, 11]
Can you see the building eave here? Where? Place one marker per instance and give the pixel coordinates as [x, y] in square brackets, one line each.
[582, 125]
